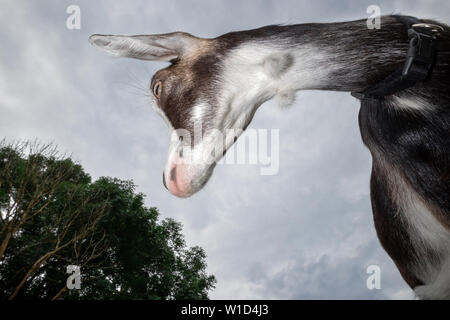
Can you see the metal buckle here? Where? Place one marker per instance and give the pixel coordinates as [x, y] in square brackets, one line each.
[428, 28]
[422, 48]
[418, 65]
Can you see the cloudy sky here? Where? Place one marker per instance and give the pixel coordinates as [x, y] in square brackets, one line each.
[304, 233]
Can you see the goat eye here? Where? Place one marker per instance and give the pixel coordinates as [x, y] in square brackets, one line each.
[157, 89]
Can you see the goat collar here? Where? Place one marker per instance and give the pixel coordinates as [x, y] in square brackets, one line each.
[419, 62]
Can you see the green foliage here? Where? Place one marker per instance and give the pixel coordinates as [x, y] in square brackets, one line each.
[123, 249]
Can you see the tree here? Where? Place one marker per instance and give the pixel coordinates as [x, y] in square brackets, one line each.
[52, 215]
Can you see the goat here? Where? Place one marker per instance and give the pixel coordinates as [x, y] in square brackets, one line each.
[221, 82]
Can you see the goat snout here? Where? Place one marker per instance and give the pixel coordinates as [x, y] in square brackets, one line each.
[177, 184]
[187, 172]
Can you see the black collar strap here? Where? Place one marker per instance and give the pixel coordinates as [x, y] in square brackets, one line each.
[419, 60]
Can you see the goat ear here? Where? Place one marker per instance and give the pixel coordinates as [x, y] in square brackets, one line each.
[163, 47]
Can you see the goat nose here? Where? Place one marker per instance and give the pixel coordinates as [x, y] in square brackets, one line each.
[164, 181]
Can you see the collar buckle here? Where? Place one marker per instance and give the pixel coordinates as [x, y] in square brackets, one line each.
[421, 52]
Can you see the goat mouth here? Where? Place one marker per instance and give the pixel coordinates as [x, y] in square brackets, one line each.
[164, 182]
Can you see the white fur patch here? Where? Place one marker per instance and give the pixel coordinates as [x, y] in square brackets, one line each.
[258, 71]
[198, 111]
[427, 234]
[439, 288]
[412, 103]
